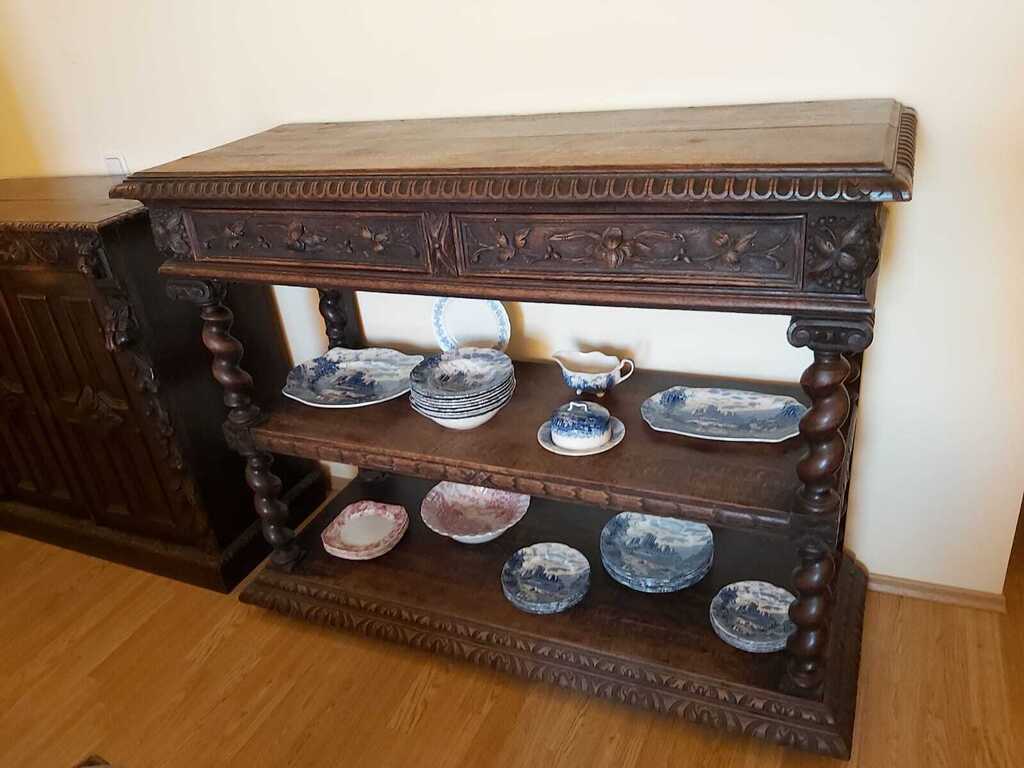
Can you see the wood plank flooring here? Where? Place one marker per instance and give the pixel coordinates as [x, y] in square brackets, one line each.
[150, 673]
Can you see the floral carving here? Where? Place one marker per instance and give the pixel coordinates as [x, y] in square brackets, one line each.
[505, 246]
[300, 240]
[170, 233]
[231, 236]
[612, 248]
[842, 253]
[100, 411]
[56, 245]
[694, 245]
[319, 236]
[730, 250]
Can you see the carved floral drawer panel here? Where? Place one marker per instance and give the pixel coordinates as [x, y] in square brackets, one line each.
[389, 241]
[700, 250]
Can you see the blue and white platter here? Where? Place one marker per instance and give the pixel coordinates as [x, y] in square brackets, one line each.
[724, 414]
[753, 616]
[618, 431]
[545, 578]
[461, 372]
[470, 323]
[350, 378]
[649, 553]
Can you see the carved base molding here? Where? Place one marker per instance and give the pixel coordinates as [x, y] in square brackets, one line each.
[821, 727]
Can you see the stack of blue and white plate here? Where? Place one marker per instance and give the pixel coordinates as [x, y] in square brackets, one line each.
[462, 388]
[753, 616]
[649, 553]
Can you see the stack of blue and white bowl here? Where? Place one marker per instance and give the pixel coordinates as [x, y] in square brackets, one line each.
[462, 388]
[656, 554]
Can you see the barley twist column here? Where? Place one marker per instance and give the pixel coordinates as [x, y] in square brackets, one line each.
[243, 413]
[817, 501]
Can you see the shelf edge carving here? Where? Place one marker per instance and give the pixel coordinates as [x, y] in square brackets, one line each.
[536, 187]
[581, 494]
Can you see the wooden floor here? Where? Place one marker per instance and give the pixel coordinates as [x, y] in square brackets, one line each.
[148, 672]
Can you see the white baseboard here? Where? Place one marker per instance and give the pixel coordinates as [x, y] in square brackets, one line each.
[939, 593]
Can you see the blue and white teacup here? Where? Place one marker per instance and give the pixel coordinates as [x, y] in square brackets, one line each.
[593, 372]
[580, 426]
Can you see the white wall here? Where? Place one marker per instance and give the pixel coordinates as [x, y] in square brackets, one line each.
[940, 456]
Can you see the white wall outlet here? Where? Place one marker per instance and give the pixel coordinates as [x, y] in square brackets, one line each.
[116, 164]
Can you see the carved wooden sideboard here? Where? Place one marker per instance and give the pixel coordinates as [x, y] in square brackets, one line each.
[109, 426]
[769, 209]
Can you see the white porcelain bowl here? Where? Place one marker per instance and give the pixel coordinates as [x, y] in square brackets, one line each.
[463, 423]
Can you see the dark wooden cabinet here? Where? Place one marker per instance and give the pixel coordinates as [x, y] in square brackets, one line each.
[109, 424]
[774, 208]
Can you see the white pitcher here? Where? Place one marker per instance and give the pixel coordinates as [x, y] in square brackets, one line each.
[593, 372]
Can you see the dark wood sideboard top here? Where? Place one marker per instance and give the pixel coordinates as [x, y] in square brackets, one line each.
[64, 201]
[857, 150]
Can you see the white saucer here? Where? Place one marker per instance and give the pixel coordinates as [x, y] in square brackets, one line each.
[544, 438]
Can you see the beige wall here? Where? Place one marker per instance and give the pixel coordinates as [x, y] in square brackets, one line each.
[939, 475]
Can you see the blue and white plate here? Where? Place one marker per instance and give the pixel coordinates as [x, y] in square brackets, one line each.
[618, 430]
[461, 372]
[649, 553]
[460, 407]
[470, 323]
[753, 616]
[724, 414]
[350, 378]
[545, 578]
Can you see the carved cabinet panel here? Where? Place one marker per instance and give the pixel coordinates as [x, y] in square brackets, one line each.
[32, 464]
[689, 249]
[96, 454]
[386, 241]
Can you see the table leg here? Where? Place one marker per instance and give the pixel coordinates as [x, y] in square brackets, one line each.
[243, 412]
[817, 501]
[337, 307]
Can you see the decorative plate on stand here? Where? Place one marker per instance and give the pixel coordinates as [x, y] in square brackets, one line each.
[470, 323]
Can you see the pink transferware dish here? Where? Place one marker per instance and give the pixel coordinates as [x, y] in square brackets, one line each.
[365, 530]
[471, 514]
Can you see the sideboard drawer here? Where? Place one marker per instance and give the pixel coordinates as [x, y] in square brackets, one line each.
[387, 241]
[685, 249]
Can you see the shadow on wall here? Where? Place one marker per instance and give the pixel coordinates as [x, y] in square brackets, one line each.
[18, 153]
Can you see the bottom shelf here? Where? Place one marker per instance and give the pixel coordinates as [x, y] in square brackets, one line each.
[653, 651]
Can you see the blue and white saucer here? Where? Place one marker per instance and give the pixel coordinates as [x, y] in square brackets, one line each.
[724, 414]
[753, 616]
[618, 431]
[545, 578]
[350, 378]
[649, 553]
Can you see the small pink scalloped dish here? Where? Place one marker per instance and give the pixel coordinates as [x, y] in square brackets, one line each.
[365, 530]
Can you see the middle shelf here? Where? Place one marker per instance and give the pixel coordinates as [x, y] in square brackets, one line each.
[736, 485]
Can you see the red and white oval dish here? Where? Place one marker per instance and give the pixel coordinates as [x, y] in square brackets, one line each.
[472, 514]
[365, 530]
